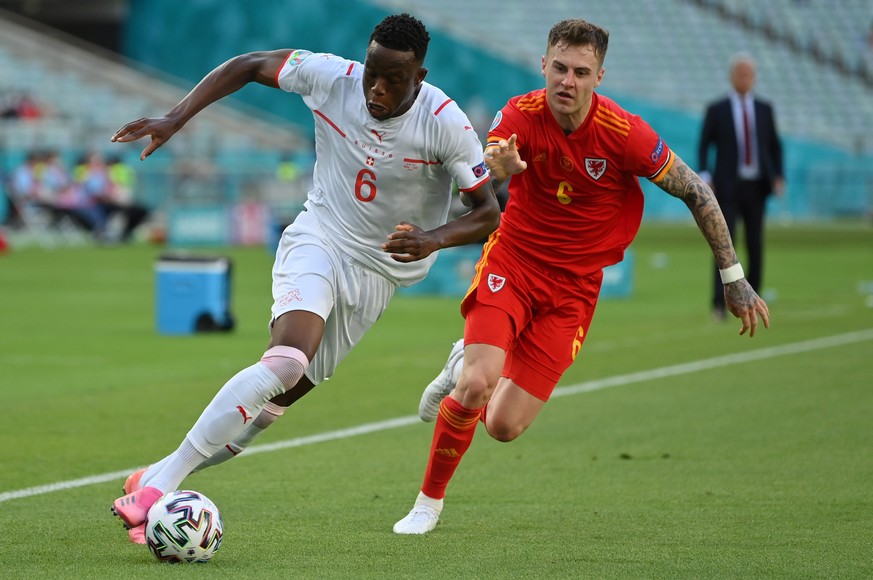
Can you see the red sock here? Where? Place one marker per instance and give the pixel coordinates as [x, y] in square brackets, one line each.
[452, 435]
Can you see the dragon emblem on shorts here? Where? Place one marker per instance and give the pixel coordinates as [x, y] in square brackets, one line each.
[495, 282]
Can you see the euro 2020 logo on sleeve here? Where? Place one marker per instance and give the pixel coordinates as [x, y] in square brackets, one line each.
[298, 56]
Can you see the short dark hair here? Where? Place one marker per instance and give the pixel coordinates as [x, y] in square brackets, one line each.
[579, 32]
[402, 32]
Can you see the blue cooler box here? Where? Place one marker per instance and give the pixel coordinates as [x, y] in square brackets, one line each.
[192, 294]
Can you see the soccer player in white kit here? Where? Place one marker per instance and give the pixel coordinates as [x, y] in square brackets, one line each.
[388, 146]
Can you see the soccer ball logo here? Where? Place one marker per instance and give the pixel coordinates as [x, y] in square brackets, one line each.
[184, 526]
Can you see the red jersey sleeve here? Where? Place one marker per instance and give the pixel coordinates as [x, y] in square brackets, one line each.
[508, 122]
[647, 155]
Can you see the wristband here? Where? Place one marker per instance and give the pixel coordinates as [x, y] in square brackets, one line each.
[732, 274]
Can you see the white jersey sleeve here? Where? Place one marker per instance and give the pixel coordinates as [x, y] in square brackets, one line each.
[311, 75]
[460, 148]
[370, 175]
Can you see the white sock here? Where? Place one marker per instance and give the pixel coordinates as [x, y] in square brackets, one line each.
[422, 499]
[153, 470]
[239, 401]
[229, 451]
[268, 416]
[177, 467]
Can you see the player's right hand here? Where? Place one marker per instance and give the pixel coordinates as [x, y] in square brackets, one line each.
[159, 128]
[409, 243]
[503, 159]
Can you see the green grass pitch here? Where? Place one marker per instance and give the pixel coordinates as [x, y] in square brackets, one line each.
[674, 449]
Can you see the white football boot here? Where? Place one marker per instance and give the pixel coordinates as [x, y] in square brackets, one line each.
[422, 518]
[442, 385]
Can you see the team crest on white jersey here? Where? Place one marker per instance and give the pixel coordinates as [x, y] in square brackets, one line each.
[595, 167]
[495, 282]
[292, 296]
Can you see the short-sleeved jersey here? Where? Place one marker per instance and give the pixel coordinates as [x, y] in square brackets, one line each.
[371, 175]
[579, 204]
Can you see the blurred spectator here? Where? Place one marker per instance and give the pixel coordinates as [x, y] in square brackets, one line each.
[42, 183]
[748, 166]
[121, 200]
[21, 106]
[22, 190]
[287, 171]
[104, 190]
[92, 187]
[28, 108]
[65, 195]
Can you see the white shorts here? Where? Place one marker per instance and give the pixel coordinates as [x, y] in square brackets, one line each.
[313, 275]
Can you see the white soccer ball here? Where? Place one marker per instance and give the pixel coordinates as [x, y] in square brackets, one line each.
[183, 526]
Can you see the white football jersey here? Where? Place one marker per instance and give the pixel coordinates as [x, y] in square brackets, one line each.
[371, 175]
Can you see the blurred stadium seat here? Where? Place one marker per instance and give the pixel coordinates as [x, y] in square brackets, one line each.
[676, 52]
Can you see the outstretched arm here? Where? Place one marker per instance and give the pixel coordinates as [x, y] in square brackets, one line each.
[742, 300]
[259, 67]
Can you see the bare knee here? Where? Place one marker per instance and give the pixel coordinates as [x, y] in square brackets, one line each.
[502, 430]
[473, 390]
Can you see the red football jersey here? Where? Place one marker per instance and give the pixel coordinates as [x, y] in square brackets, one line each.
[578, 204]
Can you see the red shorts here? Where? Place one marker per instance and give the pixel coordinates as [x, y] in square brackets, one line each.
[539, 318]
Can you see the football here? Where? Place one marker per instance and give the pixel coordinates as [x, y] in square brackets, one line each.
[184, 526]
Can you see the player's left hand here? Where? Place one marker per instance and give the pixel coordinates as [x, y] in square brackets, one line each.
[409, 243]
[744, 303]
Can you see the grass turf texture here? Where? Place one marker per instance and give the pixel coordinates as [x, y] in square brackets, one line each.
[755, 469]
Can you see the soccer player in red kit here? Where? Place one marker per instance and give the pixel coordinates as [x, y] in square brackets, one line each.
[575, 204]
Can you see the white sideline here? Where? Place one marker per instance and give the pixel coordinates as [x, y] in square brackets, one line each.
[586, 387]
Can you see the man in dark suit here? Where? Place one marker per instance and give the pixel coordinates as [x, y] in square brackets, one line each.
[748, 166]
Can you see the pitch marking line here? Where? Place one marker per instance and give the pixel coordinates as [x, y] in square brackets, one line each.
[586, 387]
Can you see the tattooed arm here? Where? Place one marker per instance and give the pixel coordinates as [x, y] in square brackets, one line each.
[741, 299]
